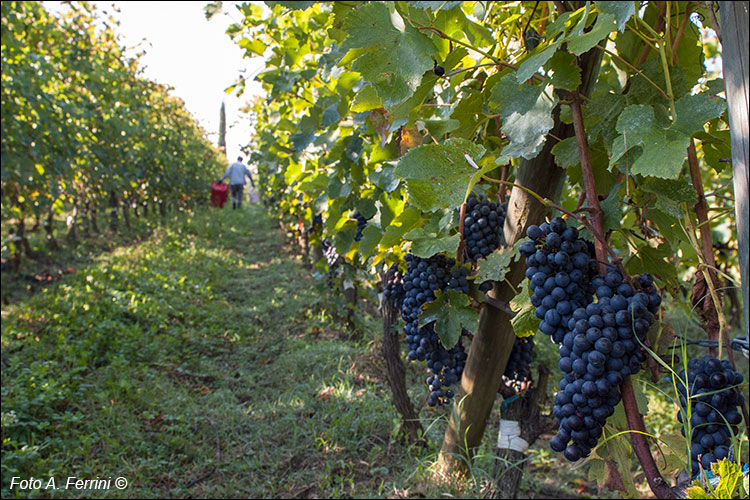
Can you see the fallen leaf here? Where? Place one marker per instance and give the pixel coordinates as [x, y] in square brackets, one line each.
[326, 393]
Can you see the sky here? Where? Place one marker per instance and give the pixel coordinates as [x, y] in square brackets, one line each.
[193, 55]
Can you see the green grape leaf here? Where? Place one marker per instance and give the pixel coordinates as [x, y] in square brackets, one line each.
[388, 181]
[253, 46]
[524, 323]
[435, 6]
[371, 236]
[654, 261]
[450, 311]
[566, 153]
[291, 5]
[693, 111]
[397, 56]
[566, 75]
[508, 97]
[634, 120]
[467, 112]
[330, 116]
[426, 245]
[622, 11]
[597, 470]
[664, 152]
[300, 140]
[527, 132]
[669, 206]
[731, 479]
[431, 239]
[605, 24]
[366, 99]
[535, 61]
[696, 491]
[526, 113]
[612, 208]
[407, 110]
[396, 229]
[666, 223]
[674, 190]
[495, 266]
[438, 128]
[437, 174]
[344, 237]
[366, 207]
[368, 26]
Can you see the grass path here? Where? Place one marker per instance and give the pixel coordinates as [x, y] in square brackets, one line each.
[202, 362]
[206, 361]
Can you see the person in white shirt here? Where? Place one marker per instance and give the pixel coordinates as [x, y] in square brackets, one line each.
[236, 173]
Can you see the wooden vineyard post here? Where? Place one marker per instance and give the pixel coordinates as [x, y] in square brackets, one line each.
[734, 41]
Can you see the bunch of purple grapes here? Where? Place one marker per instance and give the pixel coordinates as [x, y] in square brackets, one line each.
[714, 400]
[420, 282]
[600, 341]
[483, 225]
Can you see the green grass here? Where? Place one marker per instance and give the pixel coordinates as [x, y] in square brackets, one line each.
[206, 361]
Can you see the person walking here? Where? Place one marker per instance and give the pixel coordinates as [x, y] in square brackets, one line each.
[236, 173]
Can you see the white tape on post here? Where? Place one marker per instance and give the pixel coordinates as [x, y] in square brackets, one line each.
[509, 437]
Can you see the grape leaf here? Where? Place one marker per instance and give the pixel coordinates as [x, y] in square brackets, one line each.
[535, 61]
[526, 114]
[388, 180]
[330, 116]
[634, 120]
[581, 43]
[495, 266]
[371, 236]
[397, 56]
[405, 221]
[622, 11]
[675, 190]
[450, 311]
[524, 323]
[344, 236]
[252, 46]
[527, 132]
[664, 152]
[438, 128]
[431, 239]
[566, 153]
[653, 260]
[612, 208]
[435, 6]
[566, 74]
[300, 140]
[666, 224]
[467, 112]
[366, 99]
[508, 97]
[290, 5]
[731, 479]
[437, 174]
[693, 111]
[426, 245]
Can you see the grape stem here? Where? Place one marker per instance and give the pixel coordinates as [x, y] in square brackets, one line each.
[500, 305]
[495, 60]
[462, 243]
[635, 421]
[461, 70]
[706, 253]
